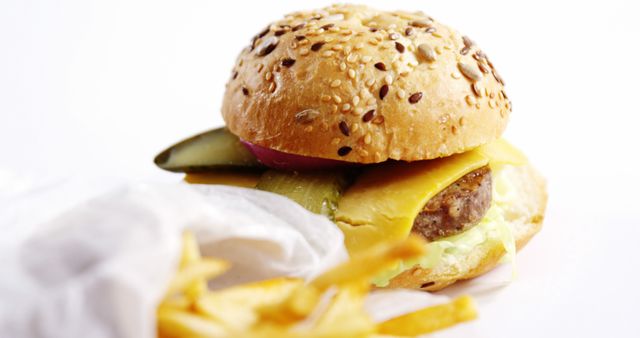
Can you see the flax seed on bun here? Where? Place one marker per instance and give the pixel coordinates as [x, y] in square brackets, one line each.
[355, 84]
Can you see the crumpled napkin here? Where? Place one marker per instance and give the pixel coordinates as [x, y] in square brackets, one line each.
[99, 268]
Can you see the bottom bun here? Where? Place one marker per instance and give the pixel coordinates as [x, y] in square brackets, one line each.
[524, 214]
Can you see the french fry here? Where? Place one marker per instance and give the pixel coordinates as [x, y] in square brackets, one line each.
[332, 305]
[345, 315]
[191, 254]
[240, 307]
[297, 306]
[197, 271]
[177, 323]
[366, 265]
[430, 319]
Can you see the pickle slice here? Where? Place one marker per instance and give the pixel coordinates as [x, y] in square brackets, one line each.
[211, 150]
[317, 191]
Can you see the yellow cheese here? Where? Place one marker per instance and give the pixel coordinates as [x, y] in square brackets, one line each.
[384, 201]
[238, 179]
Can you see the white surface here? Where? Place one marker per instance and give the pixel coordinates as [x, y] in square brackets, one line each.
[99, 269]
[95, 88]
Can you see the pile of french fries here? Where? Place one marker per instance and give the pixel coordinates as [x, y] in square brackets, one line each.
[331, 305]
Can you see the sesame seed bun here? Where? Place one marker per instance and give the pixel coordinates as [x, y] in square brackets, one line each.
[525, 215]
[356, 84]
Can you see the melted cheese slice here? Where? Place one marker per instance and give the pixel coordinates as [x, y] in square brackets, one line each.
[384, 201]
[237, 179]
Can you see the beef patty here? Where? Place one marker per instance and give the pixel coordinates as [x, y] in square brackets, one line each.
[457, 208]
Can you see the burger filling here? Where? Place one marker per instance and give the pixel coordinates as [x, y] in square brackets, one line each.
[457, 208]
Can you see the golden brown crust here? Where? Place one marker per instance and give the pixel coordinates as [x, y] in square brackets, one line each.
[308, 90]
[526, 222]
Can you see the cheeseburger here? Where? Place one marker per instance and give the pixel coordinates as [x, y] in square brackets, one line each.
[388, 123]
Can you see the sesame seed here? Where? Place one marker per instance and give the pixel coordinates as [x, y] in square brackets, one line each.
[304, 51]
[358, 111]
[492, 95]
[470, 72]
[400, 94]
[384, 90]
[352, 58]
[272, 87]
[268, 76]
[337, 47]
[245, 91]
[378, 119]
[334, 108]
[316, 46]
[433, 32]
[399, 47]
[380, 66]
[415, 97]
[335, 141]
[325, 98]
[367, 138]
[335, 83]
[328, 53]
[388, 79]
[267, 46]
[355, 127]
[363, 152]
[288, 62]
[394, 36]
[477, 90]
[337, 99]
[264, 32]
[492, 103]
[306, 116]
[466, 41]
[462, 121]
[368, 115]
[344, 151]
[408, 31]
[352, 73]
[297, 27]
[470, 100]
[456, 75]
[308, 129]
[498, 77]
[327, 26]
[359, 46]
[483, 68]
[355, 100]
[366, 58]
[346, 107]
[344, 128]
[420, 23]
[370, 82]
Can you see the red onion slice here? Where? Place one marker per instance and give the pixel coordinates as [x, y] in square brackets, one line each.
[285, 161]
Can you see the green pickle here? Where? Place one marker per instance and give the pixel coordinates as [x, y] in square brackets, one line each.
[209, 151]
[318, 192]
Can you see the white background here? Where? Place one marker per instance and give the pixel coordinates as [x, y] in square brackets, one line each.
[96, 88]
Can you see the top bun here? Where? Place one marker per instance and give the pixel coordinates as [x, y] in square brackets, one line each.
[356, 84]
